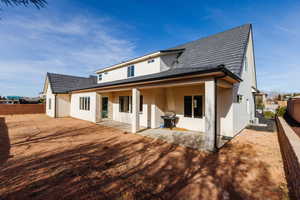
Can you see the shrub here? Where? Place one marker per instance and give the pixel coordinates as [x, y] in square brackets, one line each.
[269, 115]
[281, 111]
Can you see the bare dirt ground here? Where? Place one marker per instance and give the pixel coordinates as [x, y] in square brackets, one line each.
[45, 158]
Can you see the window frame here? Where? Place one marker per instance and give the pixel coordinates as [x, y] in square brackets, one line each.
[124, 104]
[130, 71]
[100, 77]
[192, 107]
[151, 61]
[121, 106]
[85, 103]
[141, 103]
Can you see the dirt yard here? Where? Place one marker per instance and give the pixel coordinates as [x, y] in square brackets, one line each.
[73, 159]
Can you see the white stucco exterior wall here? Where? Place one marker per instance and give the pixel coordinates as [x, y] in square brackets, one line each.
[63, 103]
[141, 68]
[88, 115]
[50, 95]
[245, 111]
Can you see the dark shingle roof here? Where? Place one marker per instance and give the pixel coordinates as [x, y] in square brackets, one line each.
[226, 48]
[199, 56]
[64, 83]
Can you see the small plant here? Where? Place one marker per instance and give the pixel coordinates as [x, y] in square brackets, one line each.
[281, 111]
[269, 115]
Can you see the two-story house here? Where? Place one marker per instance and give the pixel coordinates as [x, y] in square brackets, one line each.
[209, 83]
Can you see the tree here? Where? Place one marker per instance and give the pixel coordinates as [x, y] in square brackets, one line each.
[37, 3]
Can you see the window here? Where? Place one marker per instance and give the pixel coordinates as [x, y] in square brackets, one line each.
[84, 103]
[130, 71]
[150, 61]
[198, 112]
[105, 73]
[99, 77]
[245, 63]
[125, 104]
[239, 98]
[188, 106]
[49, 104]
[141, 103]
[193, 106]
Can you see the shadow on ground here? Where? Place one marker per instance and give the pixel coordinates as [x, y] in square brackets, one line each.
[4, 142]
[143, 168]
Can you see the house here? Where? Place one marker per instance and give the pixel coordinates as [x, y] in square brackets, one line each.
[293, 108]
[261, 98]
[209, 83]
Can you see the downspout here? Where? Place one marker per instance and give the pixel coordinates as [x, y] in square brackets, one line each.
[55, 106]
[216, 148]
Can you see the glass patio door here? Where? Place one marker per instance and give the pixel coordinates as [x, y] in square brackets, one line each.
[104, 107]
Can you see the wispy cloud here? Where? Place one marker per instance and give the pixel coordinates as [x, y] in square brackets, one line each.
[35, 46]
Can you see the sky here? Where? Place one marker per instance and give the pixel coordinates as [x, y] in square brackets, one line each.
[78, 37]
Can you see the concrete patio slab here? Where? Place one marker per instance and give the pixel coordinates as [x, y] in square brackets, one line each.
[190, 139]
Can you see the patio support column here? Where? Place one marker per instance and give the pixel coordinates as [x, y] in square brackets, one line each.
[98, 105]
[135, 126]
[210, 114]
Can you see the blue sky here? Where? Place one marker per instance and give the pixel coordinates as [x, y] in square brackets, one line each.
[77, 37]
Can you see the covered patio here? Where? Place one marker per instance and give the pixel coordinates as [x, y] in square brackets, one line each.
[202, 106]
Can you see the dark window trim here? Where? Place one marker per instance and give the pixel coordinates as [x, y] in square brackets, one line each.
[100, 77]
[130, 71]
[121, 104]
[84, 103]
[191, 112]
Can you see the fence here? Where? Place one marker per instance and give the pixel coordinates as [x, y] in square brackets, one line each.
[11, 109]
[290, 148]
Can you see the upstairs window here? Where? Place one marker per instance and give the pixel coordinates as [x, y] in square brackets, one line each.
[84, 103]
[151, 61]
[99, 77]
[130, 71]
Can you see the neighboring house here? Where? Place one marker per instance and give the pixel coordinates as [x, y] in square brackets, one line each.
[209, 83]
[10, 100]
[293, 108]
[261, 97]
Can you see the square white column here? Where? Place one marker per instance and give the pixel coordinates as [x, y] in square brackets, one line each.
[98, 102]
[135, 126]
[210, 114]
